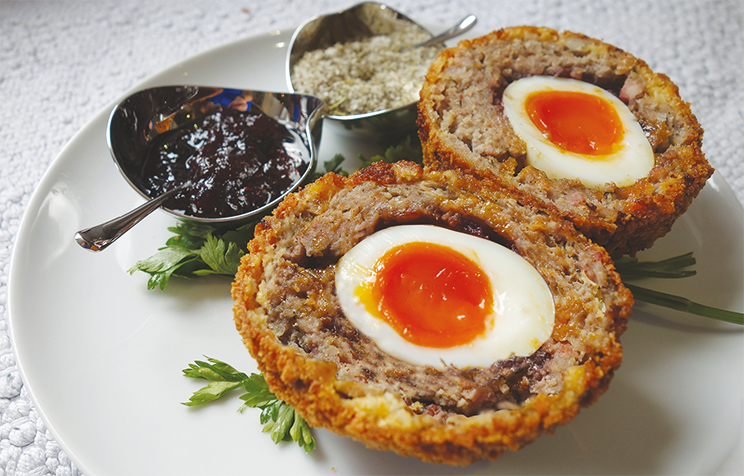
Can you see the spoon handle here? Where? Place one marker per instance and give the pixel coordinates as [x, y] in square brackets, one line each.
[98, 237]
[462, 26]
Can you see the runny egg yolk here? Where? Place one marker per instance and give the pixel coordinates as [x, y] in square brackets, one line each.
[575, 121]
[480, 301]
[430, 294]
[576, 130]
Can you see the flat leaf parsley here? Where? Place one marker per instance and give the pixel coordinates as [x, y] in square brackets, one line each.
[279, 419]
[197, 249]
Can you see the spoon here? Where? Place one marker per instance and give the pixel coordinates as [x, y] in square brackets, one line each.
[152, 132]
[98, 237]
[462, 26]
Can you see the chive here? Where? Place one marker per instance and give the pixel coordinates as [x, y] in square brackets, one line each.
[630, 268]
[683, 304]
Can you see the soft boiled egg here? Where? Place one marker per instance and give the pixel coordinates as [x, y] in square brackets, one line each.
[432, 296]
[575, 129]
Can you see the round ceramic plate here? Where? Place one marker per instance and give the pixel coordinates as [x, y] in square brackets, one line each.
[101, 356]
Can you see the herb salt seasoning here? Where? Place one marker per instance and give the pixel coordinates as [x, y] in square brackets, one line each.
[369, 75]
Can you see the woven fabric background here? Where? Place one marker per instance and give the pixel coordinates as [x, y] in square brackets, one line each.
[61, 62]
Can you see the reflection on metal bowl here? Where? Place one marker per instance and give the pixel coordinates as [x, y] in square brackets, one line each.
[147, 126]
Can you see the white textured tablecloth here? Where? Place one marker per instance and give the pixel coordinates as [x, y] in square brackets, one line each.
[62, 61]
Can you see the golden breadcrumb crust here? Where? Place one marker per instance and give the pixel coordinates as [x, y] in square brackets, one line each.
[462, 125]
[592, 307]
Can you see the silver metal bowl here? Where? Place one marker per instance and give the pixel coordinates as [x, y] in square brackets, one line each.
[361, 21]
[139, 119]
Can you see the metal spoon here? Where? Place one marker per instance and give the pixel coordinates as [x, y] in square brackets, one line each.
[98, 237]
[462, 26]
[136, 123]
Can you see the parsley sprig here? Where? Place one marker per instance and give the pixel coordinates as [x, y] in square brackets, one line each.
[279, 419]
[196, 249]
[408, 149]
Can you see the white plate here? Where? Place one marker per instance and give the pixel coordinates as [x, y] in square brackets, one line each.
[101, 356]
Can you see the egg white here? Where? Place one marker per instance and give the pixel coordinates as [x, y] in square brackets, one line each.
[523, 315]
[634, 159]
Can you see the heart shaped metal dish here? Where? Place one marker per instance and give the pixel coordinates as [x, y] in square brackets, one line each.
[357, 23]
[209, 154]
[144, 119]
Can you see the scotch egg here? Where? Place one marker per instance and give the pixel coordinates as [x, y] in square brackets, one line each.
[432, 296]
[577, 130]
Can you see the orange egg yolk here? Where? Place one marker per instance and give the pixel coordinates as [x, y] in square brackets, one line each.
[432, 295]
[576, 122]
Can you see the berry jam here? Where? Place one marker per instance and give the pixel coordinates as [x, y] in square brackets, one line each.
[236, 161]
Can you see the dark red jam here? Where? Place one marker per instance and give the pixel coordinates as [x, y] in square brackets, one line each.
[236, 161]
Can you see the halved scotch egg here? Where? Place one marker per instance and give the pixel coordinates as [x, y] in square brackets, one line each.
[574, 129]
[473, 116]
[432, 296]
[339, 372]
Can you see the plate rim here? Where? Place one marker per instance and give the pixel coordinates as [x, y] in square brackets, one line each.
[52, 172]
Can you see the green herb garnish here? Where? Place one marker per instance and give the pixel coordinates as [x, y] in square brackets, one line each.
[197, 249]
[408, 149]
[630, 269]
[279, 419]
[333, 165]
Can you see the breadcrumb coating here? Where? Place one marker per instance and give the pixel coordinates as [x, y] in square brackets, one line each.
[289, 317]
[462, 125]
